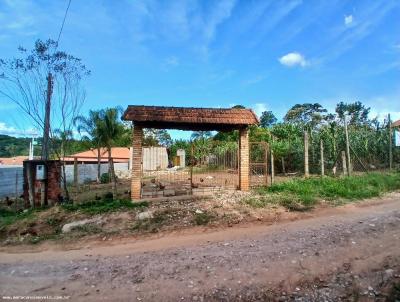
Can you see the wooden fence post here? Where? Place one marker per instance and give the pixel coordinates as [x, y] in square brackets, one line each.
[306, 166]
[322, 158]
[272, 166]
[347, 146]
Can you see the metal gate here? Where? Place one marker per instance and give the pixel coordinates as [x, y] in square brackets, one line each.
[258, 164]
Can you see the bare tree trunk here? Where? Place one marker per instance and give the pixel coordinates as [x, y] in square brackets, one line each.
[272, 167]
[283, 166]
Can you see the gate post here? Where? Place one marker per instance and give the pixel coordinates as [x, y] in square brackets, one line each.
[136, 166]
[244, 159]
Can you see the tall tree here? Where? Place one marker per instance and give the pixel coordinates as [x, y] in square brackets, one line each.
[156, 137]
[109, 129]
[267, 119]
[309, 115]
[89, 127]
[27, 79]
[357, 111]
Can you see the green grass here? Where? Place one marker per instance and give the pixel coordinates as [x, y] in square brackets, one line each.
[202, 218]
[302, 194]
[103, 206]
[8, 217]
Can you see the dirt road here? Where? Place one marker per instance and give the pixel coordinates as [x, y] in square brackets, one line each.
[336, 254]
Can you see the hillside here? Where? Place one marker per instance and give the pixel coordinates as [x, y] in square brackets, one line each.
[13, 146]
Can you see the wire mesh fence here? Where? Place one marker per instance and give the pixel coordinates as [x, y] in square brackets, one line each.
[340, 148]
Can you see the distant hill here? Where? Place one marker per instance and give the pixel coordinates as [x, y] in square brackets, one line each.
[13, 146]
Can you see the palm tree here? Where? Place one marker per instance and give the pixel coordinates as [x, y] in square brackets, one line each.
[89, 127]
[109, 130]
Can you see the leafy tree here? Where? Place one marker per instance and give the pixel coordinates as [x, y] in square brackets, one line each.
[232, 136]
[109, 129]
[89, 128]
[267, 119]
[197, 135]
[309, 115]
[357, 111]
[202, 145]
[239, 107]
[156, 137]
[11, 149]
[21, 146]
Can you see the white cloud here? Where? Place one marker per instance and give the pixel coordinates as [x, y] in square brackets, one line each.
[348, 20]
[293, 59]
[10, 130]
[259, 108]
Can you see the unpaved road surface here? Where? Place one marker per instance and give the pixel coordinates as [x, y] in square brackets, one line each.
[345, 253]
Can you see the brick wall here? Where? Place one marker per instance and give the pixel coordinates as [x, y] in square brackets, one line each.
[136, 185]
[244, 160]
[53, 179]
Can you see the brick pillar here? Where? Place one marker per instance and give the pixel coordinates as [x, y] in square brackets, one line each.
[244, 160]
[136, 168]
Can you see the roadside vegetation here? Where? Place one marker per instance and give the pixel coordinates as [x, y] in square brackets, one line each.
[120, 217]
[303, 194]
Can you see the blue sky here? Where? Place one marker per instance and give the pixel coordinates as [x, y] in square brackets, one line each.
[266, 55]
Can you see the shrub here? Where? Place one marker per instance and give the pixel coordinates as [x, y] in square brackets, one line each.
[105, 178]
[202, 218]
[109, 196]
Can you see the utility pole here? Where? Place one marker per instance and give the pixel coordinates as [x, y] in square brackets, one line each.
[46, 128]
[347, 147]
[390, 144]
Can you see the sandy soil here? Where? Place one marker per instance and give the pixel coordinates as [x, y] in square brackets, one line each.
[345, 253]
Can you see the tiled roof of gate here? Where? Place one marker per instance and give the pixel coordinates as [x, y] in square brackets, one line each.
[187, 115]
[396, 124]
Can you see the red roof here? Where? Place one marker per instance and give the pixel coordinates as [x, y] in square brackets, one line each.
[396, 124]
[16, 160]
